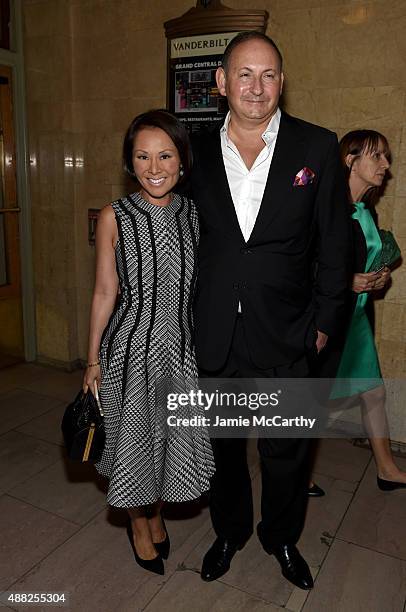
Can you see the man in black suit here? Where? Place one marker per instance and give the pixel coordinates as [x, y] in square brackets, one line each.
[272, 284]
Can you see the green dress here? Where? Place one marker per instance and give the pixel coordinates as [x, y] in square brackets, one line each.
[359, 368]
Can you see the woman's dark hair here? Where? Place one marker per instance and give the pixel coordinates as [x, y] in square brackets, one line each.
[357, 143]
[159, 118]
[243, 37]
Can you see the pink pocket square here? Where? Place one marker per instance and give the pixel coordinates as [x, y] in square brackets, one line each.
[305, 176]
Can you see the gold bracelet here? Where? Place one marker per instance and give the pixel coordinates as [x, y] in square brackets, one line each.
[92, 365]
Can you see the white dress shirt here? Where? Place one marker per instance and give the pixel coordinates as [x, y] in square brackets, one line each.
[247, 186]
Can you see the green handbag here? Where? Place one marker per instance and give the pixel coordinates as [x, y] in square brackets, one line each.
[389, 253]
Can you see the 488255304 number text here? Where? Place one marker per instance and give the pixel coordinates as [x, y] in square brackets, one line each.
[21, 599]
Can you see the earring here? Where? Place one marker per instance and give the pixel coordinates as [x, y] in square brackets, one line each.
[181, 172]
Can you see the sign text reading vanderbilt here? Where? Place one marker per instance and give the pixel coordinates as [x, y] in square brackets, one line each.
[206, 44]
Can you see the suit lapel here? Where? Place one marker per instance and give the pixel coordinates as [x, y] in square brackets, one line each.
[216, 175]
[287, 160]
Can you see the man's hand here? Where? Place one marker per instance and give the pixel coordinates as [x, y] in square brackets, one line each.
[321, 340]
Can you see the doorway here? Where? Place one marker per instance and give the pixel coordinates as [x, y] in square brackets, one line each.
[11, 310]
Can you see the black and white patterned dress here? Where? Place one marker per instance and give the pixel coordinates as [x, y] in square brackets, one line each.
[146, 351]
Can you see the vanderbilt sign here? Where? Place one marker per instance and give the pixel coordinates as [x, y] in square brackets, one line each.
[196, 43]
[200, 45]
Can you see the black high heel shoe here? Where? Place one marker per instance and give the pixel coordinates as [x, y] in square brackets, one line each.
[152, 565]
[315, 491]
[163, 547]
[389, 485]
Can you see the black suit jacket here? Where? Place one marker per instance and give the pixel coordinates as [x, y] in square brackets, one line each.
[330, 358]
[292, 275]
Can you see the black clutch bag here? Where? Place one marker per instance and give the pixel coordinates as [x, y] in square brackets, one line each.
[83, 429]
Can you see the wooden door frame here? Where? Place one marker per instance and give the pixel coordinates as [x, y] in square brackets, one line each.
[15, 60]
[11, 221]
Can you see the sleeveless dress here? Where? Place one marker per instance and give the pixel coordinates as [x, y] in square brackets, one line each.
[146, 352]
[359, 369]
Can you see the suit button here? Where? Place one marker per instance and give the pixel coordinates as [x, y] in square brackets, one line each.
[246, 251]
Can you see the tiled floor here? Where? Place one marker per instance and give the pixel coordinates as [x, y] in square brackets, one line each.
[57, 535]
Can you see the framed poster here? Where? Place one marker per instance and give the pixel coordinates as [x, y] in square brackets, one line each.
[193, 93]
[196, 43]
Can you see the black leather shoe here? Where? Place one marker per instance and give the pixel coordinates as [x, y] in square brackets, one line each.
[155, 565]
[389, 485]
[315, 491]
[164, 546]
[294, 567]
[217, 560]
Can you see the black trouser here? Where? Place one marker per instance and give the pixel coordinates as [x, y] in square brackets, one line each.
[284, 465]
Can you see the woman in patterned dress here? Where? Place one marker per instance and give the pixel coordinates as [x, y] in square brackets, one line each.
[140, 345]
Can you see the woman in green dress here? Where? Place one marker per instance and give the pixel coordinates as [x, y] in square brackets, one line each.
[365, 155]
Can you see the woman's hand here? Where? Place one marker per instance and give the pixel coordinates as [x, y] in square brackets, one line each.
[364, 281]
[383, 280]
[370, 281]
[92, 375]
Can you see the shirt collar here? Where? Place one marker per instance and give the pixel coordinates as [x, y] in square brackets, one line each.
[270, 133]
